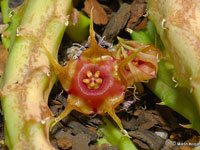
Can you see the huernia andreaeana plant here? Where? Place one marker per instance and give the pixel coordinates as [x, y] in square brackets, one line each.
[96, 81]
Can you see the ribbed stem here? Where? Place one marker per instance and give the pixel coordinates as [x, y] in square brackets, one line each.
[27, 82]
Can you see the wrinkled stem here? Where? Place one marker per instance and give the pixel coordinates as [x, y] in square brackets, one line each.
[26, 82]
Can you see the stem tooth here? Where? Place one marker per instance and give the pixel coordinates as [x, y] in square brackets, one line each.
[18, 32]
[157, 57]
[146, 14]
[67, 20]
[4, 34]
[48, 74]
[10, 15]
[191, 89]
[43, 121]
[174, 80]
[129, 30]
[163, 24]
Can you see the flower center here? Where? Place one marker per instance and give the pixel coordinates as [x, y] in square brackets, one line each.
[93, 81]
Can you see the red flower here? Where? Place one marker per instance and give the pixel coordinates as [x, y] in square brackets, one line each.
[92, 81]
[96, 82]
[142, 64]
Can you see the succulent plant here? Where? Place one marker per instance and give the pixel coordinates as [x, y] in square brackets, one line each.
[26, 82]
[96, 81]
[178, 82]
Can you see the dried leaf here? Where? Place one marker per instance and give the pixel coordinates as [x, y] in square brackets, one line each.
[64, 143]
[141, 25]
[100, 16]
[137, 11]
[150, 118]
[74, 16]
[137, 112]
[79, 141]
[131, 125]
[147, 137]
[117, 22]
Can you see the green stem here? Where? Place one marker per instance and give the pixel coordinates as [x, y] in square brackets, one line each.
[5, 11]
[26, 82]
[178, 98]
[113, 136]
[141, 36]
[180, 50]
[10, 33]
[80, 30]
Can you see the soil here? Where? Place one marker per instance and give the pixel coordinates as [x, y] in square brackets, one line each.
[151, 126]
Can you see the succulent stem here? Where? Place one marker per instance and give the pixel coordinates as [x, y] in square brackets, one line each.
[113, 136]
[180, 37]
[165, 86]
[5, 10]
[26, 82]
